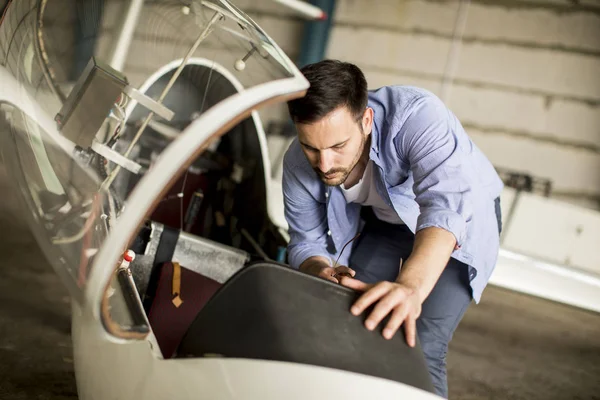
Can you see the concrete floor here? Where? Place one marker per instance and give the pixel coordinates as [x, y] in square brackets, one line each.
[35, 345]
[511, 346]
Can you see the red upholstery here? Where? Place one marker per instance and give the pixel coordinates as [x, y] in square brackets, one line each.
[168, 211]
[170, 323]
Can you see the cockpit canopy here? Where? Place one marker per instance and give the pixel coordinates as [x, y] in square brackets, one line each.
[79, 144]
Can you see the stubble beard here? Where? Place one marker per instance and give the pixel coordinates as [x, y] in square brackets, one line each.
[344, 171]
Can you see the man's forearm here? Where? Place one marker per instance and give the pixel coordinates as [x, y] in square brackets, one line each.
[431, 252]
[313, 265]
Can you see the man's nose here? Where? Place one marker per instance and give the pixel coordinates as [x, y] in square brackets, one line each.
[325, 161]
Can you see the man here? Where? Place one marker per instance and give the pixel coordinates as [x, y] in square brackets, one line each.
[398, 160]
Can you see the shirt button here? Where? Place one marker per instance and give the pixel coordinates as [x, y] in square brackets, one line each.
[328, 233]
[326, 194]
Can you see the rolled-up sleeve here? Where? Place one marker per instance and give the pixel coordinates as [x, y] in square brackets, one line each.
[306, 218]
[442, 177]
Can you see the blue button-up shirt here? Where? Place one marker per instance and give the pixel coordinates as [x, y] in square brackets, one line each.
[427, 169]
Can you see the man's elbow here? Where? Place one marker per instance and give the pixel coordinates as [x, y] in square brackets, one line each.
[451, 222]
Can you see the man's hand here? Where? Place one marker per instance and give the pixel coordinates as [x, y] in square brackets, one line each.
[400, 300]
[403, 298]
[336, 274]
[319, 266]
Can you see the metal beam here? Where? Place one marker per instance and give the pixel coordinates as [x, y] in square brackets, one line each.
[125, 34]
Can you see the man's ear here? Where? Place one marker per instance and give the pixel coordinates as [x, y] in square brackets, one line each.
[367, 120]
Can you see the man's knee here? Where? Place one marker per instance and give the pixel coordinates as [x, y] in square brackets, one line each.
[434, 348]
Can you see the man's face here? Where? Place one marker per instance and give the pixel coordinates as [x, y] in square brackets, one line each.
[334, 144]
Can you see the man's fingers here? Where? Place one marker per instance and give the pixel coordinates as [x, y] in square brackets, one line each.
[410, 328]
[355, 284]
[393, 300]
[328, 273]
[369, 297]
[342, 270]
[398, 316]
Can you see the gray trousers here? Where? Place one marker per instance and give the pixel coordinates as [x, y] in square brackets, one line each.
[376, 257]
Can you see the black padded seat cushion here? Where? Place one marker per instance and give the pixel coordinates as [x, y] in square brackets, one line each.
[272, 312]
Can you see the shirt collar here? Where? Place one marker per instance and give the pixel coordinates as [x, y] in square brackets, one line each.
[375, 137]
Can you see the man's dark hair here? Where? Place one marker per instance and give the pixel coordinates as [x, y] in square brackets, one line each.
[333, 84]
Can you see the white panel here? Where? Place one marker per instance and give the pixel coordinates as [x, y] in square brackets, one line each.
[538, 230]
[586, 246]
[554, 231]
[591, 202]
[507, 199]
[548, 281]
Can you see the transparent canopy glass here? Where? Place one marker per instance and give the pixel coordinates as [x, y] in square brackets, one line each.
[202, 53]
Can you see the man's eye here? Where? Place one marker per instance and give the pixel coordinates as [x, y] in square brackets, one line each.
[339, 146]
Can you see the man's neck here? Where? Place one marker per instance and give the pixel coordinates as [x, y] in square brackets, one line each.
[359, 169]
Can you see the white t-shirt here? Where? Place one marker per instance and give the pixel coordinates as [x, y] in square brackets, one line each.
[365, 193]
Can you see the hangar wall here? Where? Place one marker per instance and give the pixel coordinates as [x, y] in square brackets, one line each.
[524, 79]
